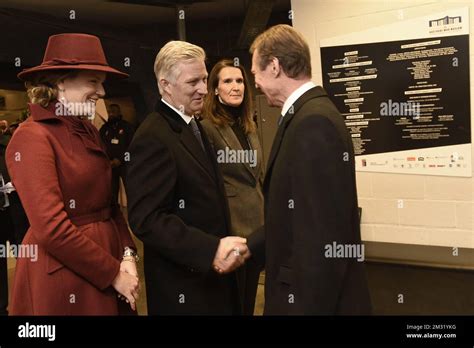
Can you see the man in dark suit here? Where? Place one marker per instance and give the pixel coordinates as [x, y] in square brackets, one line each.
[116, 134]
[310, 190]
[6, 223]
[176, 198]
[13, 219]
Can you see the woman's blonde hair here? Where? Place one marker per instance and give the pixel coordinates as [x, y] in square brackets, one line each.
[213, 108]
[42, 89]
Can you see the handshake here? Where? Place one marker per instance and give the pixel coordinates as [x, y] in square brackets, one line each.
[231, 254]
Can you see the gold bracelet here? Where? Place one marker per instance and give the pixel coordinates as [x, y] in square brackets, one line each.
[129, 258]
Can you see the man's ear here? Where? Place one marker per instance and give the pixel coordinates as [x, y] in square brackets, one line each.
[275, 67]
[165, 85]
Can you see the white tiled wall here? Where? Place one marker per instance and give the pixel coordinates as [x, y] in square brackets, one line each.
[399, 208]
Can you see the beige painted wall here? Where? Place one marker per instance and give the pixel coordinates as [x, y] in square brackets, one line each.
[436, 210]
[15, 103]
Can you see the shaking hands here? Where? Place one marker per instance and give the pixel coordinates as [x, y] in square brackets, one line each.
[232, 253]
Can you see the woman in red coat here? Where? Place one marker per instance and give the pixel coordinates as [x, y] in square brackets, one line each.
[59, 167]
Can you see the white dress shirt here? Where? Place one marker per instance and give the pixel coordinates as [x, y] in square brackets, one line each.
[295, 95]
[185, 117]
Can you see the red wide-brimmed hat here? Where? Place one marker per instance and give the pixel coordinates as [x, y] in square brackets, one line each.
[73, 52]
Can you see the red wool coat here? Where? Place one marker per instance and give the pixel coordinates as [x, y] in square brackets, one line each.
[63, 177]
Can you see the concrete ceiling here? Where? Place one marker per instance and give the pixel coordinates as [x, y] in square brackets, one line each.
[126, 13]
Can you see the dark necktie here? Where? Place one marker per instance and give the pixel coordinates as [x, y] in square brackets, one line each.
[197, 132]
[280, 120]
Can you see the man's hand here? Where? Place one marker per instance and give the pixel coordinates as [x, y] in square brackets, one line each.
[231, 254]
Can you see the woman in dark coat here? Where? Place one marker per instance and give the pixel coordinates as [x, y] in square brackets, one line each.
[228, 122]
[58, 165]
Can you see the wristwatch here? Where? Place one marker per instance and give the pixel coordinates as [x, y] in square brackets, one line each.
[130, 252]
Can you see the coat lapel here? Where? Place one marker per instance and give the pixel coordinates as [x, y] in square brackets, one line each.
[276, 146]
[83, 129]
[255, 144]
[187, 138]
[310, 94]
[233, 143]
[191, 144]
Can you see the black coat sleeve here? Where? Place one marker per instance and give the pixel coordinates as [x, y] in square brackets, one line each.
[256, 245]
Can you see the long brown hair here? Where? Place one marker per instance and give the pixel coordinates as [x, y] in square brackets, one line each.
[213, 108]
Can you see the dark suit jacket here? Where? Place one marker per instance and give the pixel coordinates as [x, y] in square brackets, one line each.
[177, 207]
[310, 203]
[13, 219]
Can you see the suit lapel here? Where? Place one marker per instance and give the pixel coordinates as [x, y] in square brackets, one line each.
[187, 138]
[255, 144]
[276, 145]
[229, 137]
[218, 176]
[233, 143]
[210, 155]
[310, 94]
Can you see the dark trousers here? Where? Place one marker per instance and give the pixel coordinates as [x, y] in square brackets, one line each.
[248, 276]
[3, 286]
[5, 234]
[14, 224]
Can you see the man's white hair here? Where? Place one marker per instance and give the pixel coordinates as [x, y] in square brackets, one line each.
[166, 62]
